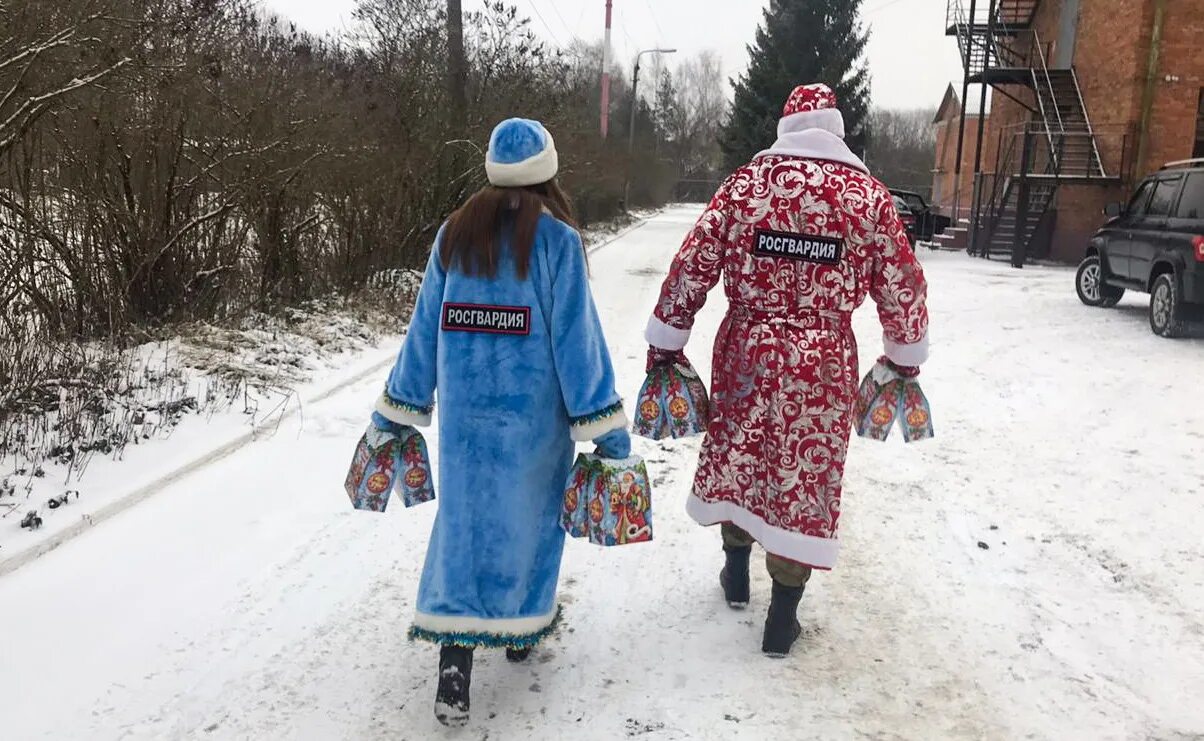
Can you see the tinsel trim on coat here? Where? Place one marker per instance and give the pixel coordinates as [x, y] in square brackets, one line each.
[487, 640]
[404, 413]
[592, 426]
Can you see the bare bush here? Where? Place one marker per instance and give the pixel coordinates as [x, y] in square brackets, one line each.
[196, 168]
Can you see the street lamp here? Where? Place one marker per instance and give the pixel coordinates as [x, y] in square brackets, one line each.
[635, 99]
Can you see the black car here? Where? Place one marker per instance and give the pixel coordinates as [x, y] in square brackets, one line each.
[928, 222]
[1155, 245]
[908, 218]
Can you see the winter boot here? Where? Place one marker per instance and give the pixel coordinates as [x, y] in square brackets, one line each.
[517, 655]
[782, 628]
[455, 676]
[734, 577]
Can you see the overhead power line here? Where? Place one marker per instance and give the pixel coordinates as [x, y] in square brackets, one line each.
[535, 9]
[655, 21]
[884, 6]
[564, 23]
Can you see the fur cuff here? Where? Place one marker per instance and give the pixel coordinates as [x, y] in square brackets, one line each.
[403, 413]
[911, 355]
[659, 334]
[598, 424]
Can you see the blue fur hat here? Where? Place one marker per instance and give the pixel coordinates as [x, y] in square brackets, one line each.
[521, 153]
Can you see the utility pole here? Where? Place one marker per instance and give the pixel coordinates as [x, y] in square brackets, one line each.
[457, 66]
[961, 129]
[982, 130]
[606, 72]
[635, 101]
[1151, 83]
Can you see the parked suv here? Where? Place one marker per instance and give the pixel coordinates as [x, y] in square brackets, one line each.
[928, 222]
[1155, 245]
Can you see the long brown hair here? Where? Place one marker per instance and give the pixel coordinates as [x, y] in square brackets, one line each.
[475, 232]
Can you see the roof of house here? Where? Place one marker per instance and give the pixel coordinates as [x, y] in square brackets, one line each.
[951, 104]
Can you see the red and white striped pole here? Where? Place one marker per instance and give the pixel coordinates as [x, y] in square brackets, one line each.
[606, 72]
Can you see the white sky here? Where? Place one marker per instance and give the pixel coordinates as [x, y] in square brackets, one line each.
[910, 58]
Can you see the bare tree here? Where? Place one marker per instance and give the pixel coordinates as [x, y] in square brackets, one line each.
[48, 51]
[901, 147]
[457, 65]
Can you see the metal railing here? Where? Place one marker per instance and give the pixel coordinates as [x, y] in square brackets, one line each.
[1025, 152]
[1090, 130]
[1044, 77]
[980, 38]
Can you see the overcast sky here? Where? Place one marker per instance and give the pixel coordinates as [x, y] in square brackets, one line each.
[910, 58]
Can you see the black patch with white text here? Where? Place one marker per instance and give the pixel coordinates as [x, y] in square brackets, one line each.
[512, 320]
[802, 247]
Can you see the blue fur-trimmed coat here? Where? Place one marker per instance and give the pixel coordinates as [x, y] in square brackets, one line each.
[513, 396]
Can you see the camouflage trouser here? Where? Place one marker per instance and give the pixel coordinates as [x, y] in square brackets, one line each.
[787, 573]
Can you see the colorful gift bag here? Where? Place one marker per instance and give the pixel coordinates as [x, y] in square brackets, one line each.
[673, 403]
[915, 413]
[386, 460]
[573, 516]
[417, 482]
[610, 500]
[886, 397]
[651, 417]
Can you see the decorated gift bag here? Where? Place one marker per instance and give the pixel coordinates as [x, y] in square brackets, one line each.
[887, 396]
[609, 501]
[672, 403]
[573, 516]
[388, 460]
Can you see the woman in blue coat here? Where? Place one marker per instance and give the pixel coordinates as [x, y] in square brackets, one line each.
[505, 333]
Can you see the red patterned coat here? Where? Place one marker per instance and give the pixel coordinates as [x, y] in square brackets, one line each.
[801, 236]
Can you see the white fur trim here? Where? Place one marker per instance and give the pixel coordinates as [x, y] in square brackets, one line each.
[661, 335]
[816, 144]
[532, 171]
[827, 119]
[393, 414]
[912, 356]
[471, 624]
[805, 549]
[599, 427]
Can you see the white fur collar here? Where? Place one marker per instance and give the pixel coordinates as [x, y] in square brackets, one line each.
[816, 144]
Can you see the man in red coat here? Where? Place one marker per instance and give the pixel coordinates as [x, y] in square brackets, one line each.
[801, 236]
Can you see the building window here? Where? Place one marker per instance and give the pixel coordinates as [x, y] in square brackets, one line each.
[1199, 152]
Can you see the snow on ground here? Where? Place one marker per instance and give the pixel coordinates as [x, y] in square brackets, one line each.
[238, 382]
[1036, 572]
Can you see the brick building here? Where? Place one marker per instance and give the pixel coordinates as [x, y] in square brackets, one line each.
[945, 188]
[1088, 96]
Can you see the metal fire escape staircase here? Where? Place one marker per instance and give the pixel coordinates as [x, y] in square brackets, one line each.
[1000, 47]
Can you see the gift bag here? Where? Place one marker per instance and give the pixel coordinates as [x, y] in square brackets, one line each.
[417, 481]
[385, 460]
[672, 403]
[573, 517]
[915, 413]
[651, 417]
[609, 501]
[886, 397]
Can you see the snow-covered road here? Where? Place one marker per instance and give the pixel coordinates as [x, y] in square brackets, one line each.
[1036, 572]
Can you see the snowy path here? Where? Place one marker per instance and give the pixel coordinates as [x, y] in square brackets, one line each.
[248, 603]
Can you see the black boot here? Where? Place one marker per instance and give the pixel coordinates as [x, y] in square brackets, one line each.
[455, 676]
[517, 655]
[734, 577]
[782, 628]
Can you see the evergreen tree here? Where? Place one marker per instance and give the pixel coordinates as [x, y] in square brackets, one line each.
[799, 42]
